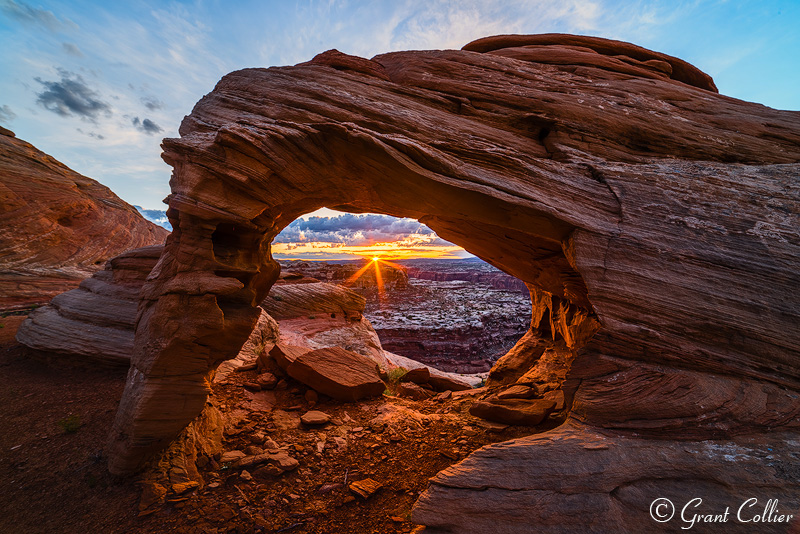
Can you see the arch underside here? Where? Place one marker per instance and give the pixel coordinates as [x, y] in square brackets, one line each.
[598, 188]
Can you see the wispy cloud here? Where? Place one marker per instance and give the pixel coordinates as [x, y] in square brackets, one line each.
[71, 96]
[72, 49]
[152, 103]
[6, 115]
[22, 12]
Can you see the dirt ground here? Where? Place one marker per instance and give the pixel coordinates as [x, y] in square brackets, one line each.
[56, 418]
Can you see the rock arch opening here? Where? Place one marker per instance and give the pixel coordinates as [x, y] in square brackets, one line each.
[426, 298]
[217, 264]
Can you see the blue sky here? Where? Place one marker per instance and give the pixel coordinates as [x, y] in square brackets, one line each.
[99, 84]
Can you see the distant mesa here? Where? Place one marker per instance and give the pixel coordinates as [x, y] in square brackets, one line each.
[56, 226]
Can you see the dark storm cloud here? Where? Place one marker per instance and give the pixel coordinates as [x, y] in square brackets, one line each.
[349, 229]
[147, 126]
[6, 115]
[26, 14]
[71, 96]
[152, 103]
[72, 49]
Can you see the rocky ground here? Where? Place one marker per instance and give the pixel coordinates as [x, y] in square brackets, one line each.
[454, 325]
[358, 473]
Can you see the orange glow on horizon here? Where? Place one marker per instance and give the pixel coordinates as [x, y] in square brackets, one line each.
[396, 250]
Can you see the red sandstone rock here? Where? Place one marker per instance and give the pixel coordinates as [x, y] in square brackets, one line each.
[285, 355]
[318, 315]
[517, 392]
[337, 373]
[654, 221]
[56, 226]
[528, 412]
[420, 375]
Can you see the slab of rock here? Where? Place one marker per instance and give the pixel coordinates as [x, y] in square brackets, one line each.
[278, 461]
[439, 380]
[231, 456]
[518, 392]
[285, 355]
[509, 477]
[57, 227]
[446, 382]
[315, 418]
[337, 373]
[365, 488]
[526, 412]
[420, 375]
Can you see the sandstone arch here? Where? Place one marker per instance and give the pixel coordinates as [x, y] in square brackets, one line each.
[614, 180]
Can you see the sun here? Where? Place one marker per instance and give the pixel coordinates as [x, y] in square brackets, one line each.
[375, 258]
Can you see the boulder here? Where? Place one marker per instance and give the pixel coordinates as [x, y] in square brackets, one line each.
[439, 380]
[420, 375]
[318, 315]
[337, 373]
[513, 411]
[518, 392]
[285, 355]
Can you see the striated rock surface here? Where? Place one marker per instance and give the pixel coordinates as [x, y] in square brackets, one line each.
[94, 323]
[337, 373]
[539, 483]
[654, 221]
[56, 226]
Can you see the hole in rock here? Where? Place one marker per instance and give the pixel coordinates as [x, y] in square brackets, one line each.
[427, 299]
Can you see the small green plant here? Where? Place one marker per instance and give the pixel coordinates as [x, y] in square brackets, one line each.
[277, 297]
[397, 374]
[312, 316]
[70, 424]
[2, 325]
[393, 378]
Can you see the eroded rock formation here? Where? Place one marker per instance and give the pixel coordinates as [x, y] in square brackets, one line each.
[56, 226]
[654, 220]
[94, 323]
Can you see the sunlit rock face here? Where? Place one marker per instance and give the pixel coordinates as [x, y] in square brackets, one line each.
[57, 227]
[654, 220]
